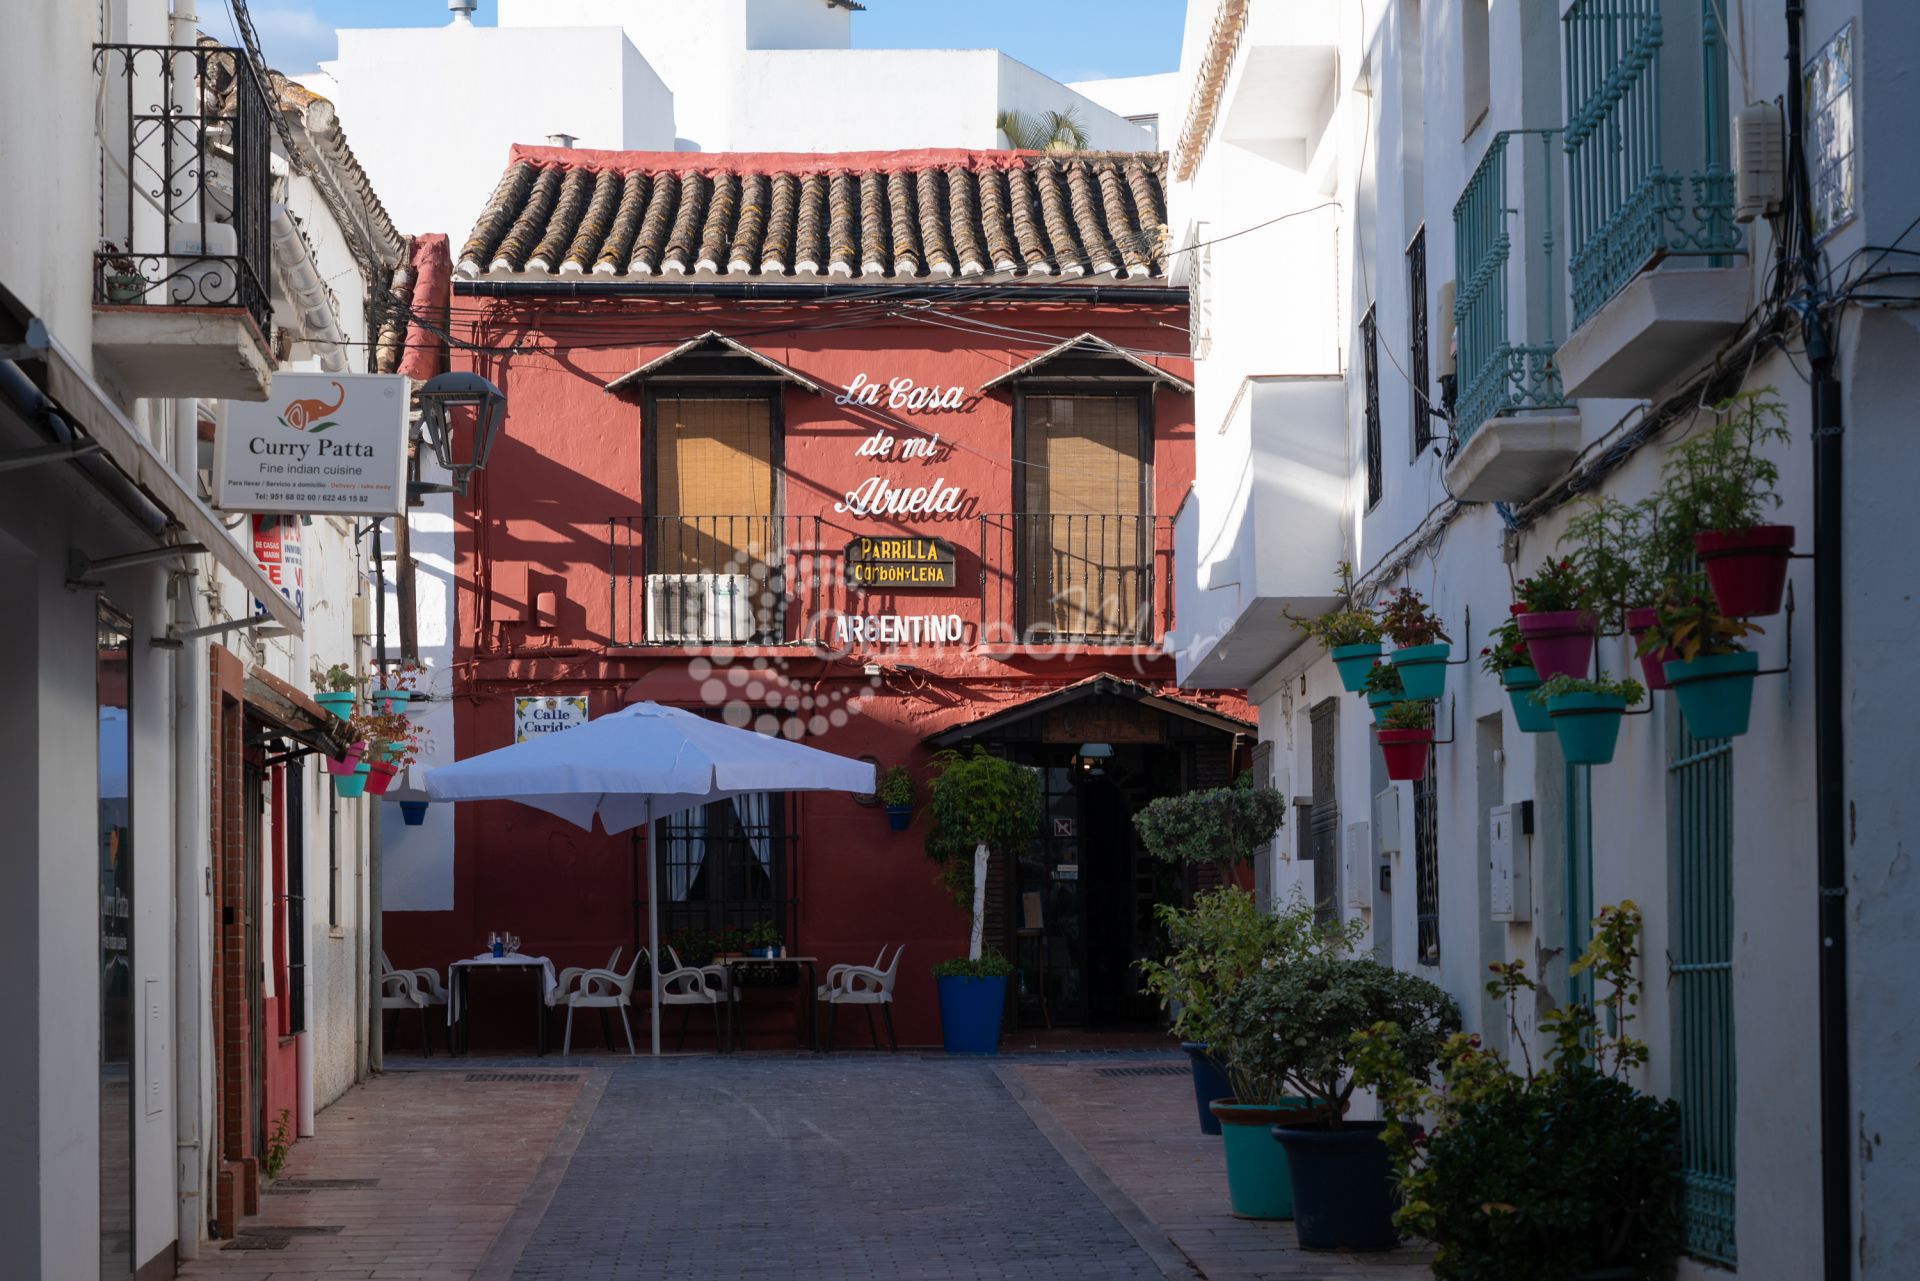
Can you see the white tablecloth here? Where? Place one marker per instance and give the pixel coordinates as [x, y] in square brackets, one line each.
[549, 980]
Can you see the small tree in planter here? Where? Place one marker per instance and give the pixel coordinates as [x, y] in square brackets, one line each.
[1420, 643]
[1557, 619]
[1485, 1164]
[1586, 714]
[1505, 657]
[1710, 672]
[1719, 487]
[1304, 1016]
[1406, 739]
[896, 792]
[1351, 637]
[982, 804]
[1222, 825]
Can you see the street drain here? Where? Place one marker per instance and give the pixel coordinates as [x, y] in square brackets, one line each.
[522, 1078]
[1167, 1069]
[300, 1230]
[258, 1243]
[320, 1185]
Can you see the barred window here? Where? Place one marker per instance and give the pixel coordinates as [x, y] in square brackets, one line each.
[1370, 358]
[728, 866]
[1426, 864]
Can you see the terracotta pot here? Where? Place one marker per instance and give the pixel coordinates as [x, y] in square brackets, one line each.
[1406, 753]
[1560, 642]
[1652, 665]
[1748, 570]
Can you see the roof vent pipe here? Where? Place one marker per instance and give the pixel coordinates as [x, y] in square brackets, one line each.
[564, 141]
[462, 11]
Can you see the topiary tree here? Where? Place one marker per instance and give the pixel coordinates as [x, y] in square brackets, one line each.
[1224, 825]
[981, 803]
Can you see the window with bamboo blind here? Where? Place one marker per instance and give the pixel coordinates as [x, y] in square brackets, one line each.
[712, 492]
[1086, 542]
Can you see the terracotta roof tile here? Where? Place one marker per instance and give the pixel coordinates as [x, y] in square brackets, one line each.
[872, 215]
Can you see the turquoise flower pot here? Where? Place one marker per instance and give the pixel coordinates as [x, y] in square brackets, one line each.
[393, 700]
[1715, 692]
[1520, 682]
[1588, 725]
[1354, 662]
[1259, 1186]
[1380, 703]
[349, 786]
[1423, 670]
[340, 702]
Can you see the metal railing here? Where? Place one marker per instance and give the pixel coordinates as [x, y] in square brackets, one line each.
[1497, 210]
[1084, 578]
[1643, 183]
[185, 214]
[720, 580]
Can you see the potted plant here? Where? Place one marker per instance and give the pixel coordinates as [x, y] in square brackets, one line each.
[896, 792]
[395, 746]
[353, 784]
[347, 764]
[1351, 637]
[981, 804]
[762, 939]
[1243, 1026]
[397, 689]
[1710, 672]
[1343, 1189]
[1506, 658]
[334, 689]
[1556, 620]
[1406, 740]
[1720, 487]
[1221, 825]
[120, 277]
[1420, 645]
[1383, 689]
[1538, 1174]
[1586, 714]
[413, 813]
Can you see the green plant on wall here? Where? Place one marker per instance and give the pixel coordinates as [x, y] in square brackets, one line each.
[897, 786]
[1606, 542]
[1718, 479]
[1340, 627]
[1221, 825]
[279, 1143]
[982, 804]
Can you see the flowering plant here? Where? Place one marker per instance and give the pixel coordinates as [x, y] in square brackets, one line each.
[1383, 678]
[1407, 618]
[1690, 623]
[391, 733]
[1554, 588]
[1629, 689]
[1509, 648]
[1343, 626]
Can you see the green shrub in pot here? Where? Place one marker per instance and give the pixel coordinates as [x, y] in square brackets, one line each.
[1544, 1174]
[1221, 825]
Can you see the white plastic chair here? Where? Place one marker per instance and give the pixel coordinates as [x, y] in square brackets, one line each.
[603, 990]
[571, 975]
[426, 980]
[866, 985]
[834, 972]
[400, 990]
[689, 985]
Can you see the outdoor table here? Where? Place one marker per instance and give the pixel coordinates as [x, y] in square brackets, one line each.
[813, 983]
[458, 995]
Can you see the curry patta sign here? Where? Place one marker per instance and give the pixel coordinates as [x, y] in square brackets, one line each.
[333, 444]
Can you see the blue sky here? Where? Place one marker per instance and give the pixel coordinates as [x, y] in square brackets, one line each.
[1067, 39]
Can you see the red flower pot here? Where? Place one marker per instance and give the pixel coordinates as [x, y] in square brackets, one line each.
[1651, 664]
[1748, 570]
[381, 777]
[1559, 641]
[1405, 751]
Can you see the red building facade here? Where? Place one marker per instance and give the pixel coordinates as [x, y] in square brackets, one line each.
[877, 451]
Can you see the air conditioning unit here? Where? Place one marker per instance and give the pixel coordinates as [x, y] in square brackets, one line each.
[699, 609]
[1759, 162]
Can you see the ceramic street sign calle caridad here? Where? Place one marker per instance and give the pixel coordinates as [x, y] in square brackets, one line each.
[547, 714]
[332, 444]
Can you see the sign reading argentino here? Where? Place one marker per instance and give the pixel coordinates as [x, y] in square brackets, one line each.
[547, 714]
[909, 562]
[333, 444]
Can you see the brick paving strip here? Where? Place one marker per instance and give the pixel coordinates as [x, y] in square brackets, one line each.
[1139, 1132]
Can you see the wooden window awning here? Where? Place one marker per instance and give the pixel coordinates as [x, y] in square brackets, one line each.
[712, 359]
[291, 712]
[1088, 359]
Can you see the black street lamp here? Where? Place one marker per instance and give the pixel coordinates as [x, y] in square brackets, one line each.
[440, 399]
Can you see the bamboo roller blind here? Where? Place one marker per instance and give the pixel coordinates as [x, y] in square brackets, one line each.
[1086, 536]
[713, 484]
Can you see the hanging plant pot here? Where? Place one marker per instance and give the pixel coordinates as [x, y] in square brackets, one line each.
[1560, 642]
[1520, 682]
[1423, 669]
[1715, 692]
[413, 813]
[347, 764]
[899, 817]
[391, 751]
[349, 786]
[1381, 702]
[1748, 570]
[381, 777]
[1588, 725]
[1353, 663]
[393, 700]
[1406, 753]
[1652, 665]
[338, 702]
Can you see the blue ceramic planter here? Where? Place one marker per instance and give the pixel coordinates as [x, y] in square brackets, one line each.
[1209, 1083]
[413, 813]
[1258, 1183]
[339, 702]
[349, 786]
[899, 817]
[1353, 663]
[1715, 692]
[1588, 725]
[1423, 670]
[1380, 703]
[1343, 1186]
[1520, 682]
[393, 700]
[970, 1013]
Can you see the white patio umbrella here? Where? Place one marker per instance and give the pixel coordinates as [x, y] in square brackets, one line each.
[639, 765]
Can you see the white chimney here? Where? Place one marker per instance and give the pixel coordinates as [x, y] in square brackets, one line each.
[564, 141]
[462, 11]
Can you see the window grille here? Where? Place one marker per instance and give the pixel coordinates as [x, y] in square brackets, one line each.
[1370, 356]
[1426, 864]
[729, 866]
[1417, 341]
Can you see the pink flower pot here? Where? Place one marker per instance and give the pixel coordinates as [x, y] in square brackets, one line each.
[1652, 668]
[1748, 570]
[350, 762]
[1560, 642]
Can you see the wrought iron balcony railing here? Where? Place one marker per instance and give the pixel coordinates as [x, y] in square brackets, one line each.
[1080, 578]
[186, 206]
[1505, 204]
[1644, 182]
